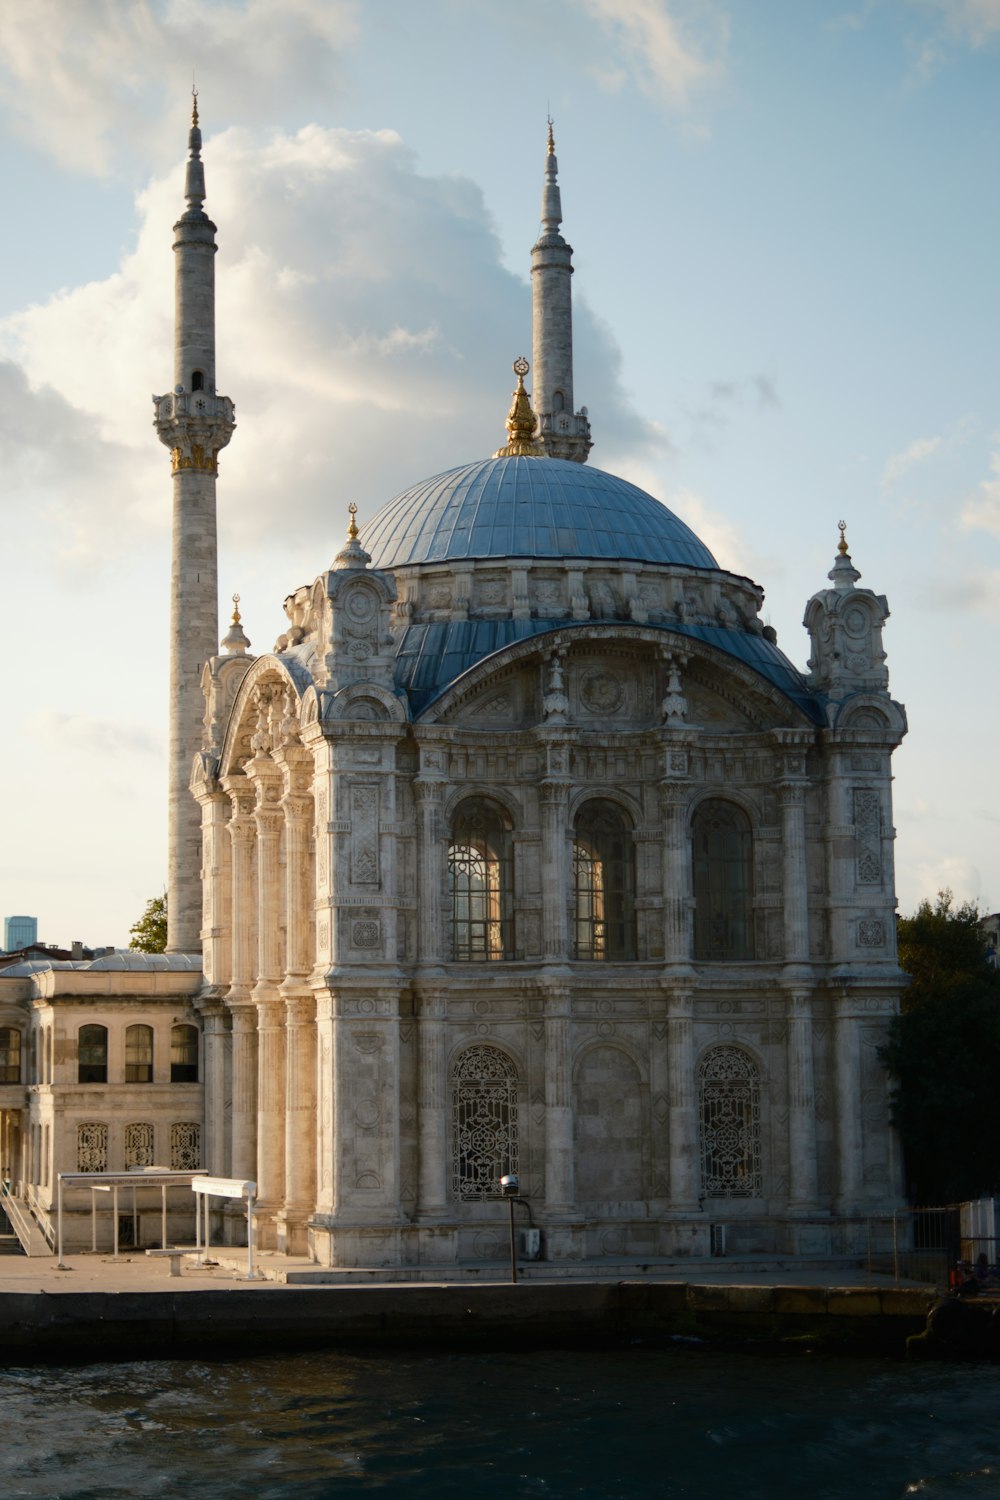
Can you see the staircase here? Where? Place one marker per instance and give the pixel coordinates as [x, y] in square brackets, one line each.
[32, 1240]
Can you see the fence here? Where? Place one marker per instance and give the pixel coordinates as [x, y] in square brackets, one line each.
[933, 1245]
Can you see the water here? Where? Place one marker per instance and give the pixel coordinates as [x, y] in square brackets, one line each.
[682, 1422]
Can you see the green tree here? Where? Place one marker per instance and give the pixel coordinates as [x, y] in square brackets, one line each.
[943, 1054]
[149, 934]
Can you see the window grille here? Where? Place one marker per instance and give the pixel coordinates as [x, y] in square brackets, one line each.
[138, 1146]
[185, 1147]
[10, 1054]
[480, 884]
[92, 1147]
[730, 1124]
[485, 1122]
[92, 1054]
[722, 843]
[603, 884]
[138, 1054]
[184, 1054]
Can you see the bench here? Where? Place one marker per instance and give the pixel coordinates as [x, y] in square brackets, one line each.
[175, 1252]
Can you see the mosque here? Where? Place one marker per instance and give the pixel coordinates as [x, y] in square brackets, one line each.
[525, 850]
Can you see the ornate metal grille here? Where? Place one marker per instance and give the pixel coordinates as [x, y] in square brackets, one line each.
[730, 1124]
[185, 1147]
[485, 1122]
[723, 882]
[138, 1146]
[92, 1147]
[479, 878]
[603, 884]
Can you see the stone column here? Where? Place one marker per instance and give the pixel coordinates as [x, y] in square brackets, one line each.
[270, 1009]
[300, 1122]
[216, 1042]
[676, 872]
[243, 836]
[428, 791]
[558, 1102]
[801, 1105]
[685, 1167]
[216, 880]
[432, 1104]
[795, 878]
[556, 882]
[244, 1147]
[847, 1062]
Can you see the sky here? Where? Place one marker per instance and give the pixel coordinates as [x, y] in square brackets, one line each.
[784, 215]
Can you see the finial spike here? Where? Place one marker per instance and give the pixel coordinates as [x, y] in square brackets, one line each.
[236, 609]
[521, 420]
[352, 529]
[552, 140]
[194, 103]
[842, 545]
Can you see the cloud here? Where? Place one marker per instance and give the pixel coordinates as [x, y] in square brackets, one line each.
[973, 21]
[918, 452]
[76, 78]
[983, 513]
[104, 737]
[366, 325]
[662, 55]
[952, 873]
[726, 396]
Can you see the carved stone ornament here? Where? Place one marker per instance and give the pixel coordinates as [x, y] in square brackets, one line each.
[601, 692]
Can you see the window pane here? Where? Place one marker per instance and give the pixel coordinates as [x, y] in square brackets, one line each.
[184, 1054]
[139, 1054]
[92, 1055]
[10, 1055]
[480, 883]
[723, 882]
[603, 884]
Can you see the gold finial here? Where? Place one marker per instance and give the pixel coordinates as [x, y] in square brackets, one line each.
[194, 104]
[552, 142]
[352, 530]
[236, 609]
[842, 545]
[521, 420]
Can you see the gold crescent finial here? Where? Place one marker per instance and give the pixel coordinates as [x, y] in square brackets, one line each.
[521, 420]
[552, 141]
[236, 609]
[352, 530]
[194, 103]
[842, 546]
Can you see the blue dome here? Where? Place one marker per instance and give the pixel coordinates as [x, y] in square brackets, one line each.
[529, 507]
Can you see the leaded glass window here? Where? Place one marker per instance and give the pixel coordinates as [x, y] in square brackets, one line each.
[185, 1146]
[484, 1092]
[729, 1086]
[138, 1146]
[603, 884]
[92, 1147]
[138, 1054]
[184, 1054]
[480, 882]
[10, 1054]
[92, 1055]
[723, 882]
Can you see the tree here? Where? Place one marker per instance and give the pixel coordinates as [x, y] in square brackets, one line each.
[149, 934]
[943, 1053]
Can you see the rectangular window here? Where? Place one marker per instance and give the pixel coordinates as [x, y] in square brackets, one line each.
[92, 1147]
[185, 1147]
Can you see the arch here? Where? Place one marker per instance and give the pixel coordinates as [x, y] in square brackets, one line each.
[729, 1117]
[197, 380]
[722, 858]
[10, 1054]
[92, 1054]
[275, 671]
[480, 881]
[139, 1054]
[183, 1054]
[139, 1139]
[484, 1083]
[607, 1126]
[603, 883]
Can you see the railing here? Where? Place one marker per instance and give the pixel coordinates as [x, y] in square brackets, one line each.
[938, 1245]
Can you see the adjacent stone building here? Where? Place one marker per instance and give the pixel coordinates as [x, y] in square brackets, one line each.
[525, 849]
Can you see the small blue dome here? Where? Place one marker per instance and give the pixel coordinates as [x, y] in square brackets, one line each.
[529, 507]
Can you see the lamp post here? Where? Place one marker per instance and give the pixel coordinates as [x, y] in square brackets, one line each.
[509, 1186]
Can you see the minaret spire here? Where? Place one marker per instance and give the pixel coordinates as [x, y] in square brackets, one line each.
[195, 424]
[563, 433]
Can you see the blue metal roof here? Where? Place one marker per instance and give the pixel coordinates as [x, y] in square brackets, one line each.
[431, 657]
[529, 507]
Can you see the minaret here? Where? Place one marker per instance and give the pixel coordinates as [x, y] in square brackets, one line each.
[195, 424]
[563, 432]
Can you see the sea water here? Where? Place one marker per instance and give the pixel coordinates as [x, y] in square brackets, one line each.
[640, 1422]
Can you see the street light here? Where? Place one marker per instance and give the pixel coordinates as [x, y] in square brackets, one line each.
[509, 1187]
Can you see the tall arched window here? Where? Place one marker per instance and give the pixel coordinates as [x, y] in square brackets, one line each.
[729, 1086]
[138, 1054]
[10, 1054]
[603, 883]
[484, 1122]
[92, 1055]
[184, 1054]
[480, 882]
[723, 882]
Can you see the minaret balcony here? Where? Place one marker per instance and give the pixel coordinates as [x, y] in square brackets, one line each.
[195, 426]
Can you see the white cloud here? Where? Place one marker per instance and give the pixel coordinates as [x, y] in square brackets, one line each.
[77, 77]
[946, 873]
[667, 59]
[975, 21]
[983, 512]
[899, 464]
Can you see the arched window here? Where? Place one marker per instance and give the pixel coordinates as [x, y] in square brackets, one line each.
[197, 380]
[138, 1054]
[603, 884]
[484, 1094]
[184, 1054]
[723, 882]
[479, 881]
[185, 1147]
[92, 1145]
[92, 1055]
[729, 1086]
[10, 1054]
[138, 1146]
